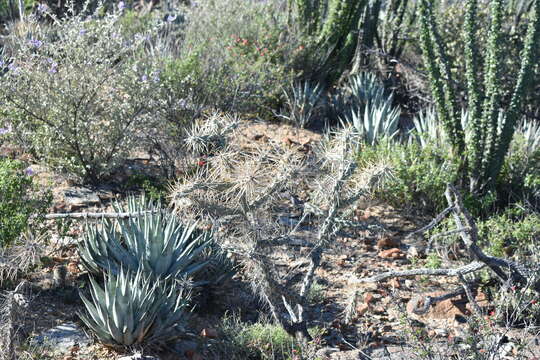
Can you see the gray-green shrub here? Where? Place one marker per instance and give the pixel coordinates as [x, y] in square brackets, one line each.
[78, 92]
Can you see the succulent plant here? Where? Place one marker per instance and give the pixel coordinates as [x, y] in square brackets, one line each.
[155, 242]
[132, 308]
[303, 102]
[375, 121]
[364, 88]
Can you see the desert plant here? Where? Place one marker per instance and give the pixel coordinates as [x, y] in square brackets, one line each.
[134, 309]
[77, 92]
[419, 174]
[375, 121]
[489, 141]
[364, 88]
[302, 103]
[243, 50]
[335, 25]
[18, 200]
[155, 242]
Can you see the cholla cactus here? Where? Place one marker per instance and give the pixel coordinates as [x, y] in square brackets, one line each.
[240, 189]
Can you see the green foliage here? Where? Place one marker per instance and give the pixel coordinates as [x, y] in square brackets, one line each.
[261, 340]
[155, 243]
[376, 121]
[346, 30]
[491, 129]
[78, 92]
[419, 176]
[18, 200]
[510, 233]
[333, 24]
[134, 309]
[303, 103]
[244, 51]
[433, 261]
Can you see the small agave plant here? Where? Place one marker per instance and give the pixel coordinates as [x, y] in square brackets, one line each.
[133, 308]
[155, 242]
[364, 88]
[375, 121]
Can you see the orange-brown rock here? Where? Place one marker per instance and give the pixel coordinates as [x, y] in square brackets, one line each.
[362, 309]
[443, 310]
[393, 253]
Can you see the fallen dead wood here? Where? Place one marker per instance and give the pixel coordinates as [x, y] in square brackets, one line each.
[95, 215]
[507, 271]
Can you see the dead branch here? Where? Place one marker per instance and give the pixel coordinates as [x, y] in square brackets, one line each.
[92, 215]
[469, 268]
[466, 227]
[432, 223]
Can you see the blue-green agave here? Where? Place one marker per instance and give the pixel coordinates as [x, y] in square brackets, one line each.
[155, 242]
[133, 308]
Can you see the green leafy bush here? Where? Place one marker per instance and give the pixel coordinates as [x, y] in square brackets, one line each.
[261, 340]
[244, 51]
[18, 200]
[78, 92]
[510, 233]
[419, 176]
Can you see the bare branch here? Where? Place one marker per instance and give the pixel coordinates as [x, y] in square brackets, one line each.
[469, 268]
[432, 223]
[92, 215]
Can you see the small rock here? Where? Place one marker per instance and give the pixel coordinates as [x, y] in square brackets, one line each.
[393, 253]
[361, 309]
[76, 198]
[449, 309]
[368, 298]
[63, 337]
[388, 242]
[394, 283]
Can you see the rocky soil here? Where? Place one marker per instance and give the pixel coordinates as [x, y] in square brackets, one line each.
[358, 321]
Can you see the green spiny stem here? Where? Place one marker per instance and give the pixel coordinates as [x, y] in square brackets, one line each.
[440, 75]
[493, 89]
[530, 50]
[474, 89]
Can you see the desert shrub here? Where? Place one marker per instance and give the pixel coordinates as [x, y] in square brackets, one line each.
[77, 92]
[18, 200]
[419, 176]
[261, 340]
[511, 233]
[245, 50]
